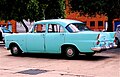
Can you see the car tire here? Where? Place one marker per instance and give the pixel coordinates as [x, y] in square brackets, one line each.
[15, 50]
[117, 43]
[0, 36]
[71, 52]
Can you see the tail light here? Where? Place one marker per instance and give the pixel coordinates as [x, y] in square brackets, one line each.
[98, 42]
[114, 40]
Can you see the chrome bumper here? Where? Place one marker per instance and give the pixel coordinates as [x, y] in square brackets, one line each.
[98, 49]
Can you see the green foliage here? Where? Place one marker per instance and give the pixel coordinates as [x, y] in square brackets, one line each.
[109, 8]
[30, 9]
[92, 7]
[18, 9]
[33, 10]
[55, 9]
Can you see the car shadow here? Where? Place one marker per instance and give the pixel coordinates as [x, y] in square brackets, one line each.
[114, 51]
[60, 57]
[93, 58]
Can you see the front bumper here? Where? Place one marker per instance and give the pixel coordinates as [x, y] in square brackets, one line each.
[98, 49]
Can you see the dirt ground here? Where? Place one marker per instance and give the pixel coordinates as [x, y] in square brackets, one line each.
[104, 64]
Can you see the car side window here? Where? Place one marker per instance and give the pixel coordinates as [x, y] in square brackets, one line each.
[39, 28]
[55, 28]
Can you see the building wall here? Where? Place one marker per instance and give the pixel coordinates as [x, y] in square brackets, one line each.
[13, 23]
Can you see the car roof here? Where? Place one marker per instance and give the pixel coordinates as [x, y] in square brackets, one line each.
[59, 21]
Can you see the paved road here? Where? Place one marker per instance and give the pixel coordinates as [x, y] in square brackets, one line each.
[105, 64]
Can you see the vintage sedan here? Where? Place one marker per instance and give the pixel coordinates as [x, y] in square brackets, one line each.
[58, 36]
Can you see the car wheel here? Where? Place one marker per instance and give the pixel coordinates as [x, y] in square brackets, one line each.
[117, 42]
[0, 36]
[71, 52]
[15, 50]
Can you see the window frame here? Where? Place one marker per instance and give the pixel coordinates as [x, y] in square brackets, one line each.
[55, 29]
[100, 23]
[92, 23]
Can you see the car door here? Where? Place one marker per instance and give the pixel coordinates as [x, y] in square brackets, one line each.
[36, 39]
[54, 38]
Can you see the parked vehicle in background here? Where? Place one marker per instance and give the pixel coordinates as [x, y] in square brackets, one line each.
[1, 36]
[117, 37]
[59, 36]
[3, 32]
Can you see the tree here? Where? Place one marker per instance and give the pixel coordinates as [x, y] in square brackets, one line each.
[19, 10]
[109, 8]
[30, 9]
[55, 9]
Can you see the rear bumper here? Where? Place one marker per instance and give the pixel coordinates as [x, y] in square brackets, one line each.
[98, 49]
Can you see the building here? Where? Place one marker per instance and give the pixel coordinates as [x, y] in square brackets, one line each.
[8, 24]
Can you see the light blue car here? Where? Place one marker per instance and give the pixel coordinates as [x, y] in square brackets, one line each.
[59, 36]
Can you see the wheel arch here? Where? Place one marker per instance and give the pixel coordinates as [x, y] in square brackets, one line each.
[63, 47]
[118, 44]
[15, 49]
[14, 43]
[116, 37]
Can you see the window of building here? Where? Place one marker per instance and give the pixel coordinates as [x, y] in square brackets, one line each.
[92, 23]
[100, 23]
[85, 22]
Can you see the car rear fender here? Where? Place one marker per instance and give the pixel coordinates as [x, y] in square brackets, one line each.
[65, 45]
[110, 36]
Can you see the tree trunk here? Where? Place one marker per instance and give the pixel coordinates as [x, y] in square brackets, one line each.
[26, 28]
[110, 24]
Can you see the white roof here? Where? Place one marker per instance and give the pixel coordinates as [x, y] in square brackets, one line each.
[61, 21]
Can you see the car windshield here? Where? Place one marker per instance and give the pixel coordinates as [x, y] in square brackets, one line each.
[77, 27]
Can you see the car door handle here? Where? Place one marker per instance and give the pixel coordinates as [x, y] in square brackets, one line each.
[43, 35]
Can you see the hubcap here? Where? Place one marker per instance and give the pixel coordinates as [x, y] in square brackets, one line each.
[70, 52]
[15, 50]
